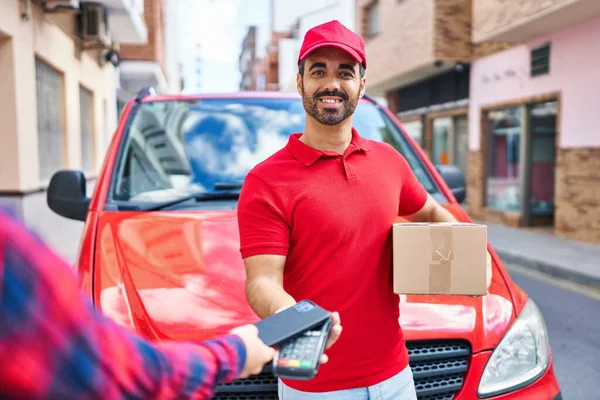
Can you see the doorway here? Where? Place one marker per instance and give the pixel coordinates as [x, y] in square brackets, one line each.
[540, 163]
[520, 160]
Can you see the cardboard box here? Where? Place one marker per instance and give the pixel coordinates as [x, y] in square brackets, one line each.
[440, 258]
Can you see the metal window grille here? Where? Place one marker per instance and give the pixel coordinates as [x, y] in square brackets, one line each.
[87, 138]
[49, 89]
[449, 86]
[540, 60]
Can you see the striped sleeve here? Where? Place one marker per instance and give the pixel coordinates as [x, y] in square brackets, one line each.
[54, 344]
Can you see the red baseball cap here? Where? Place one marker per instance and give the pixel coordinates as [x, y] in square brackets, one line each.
[334, 34]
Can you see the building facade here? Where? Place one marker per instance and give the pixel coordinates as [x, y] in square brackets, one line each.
[422, 68]
[58, 101]
[259, 58]
[248, 60]
[267, 68]
[268, 55]
[534, 146]
[506, 92]
[145, 64]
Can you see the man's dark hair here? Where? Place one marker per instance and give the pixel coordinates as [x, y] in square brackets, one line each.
[361, 68]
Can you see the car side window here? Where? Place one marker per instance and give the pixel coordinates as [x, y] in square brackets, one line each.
[373, 124]
[403, 146]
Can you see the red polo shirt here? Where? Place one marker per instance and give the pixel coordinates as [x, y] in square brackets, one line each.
[332, 215]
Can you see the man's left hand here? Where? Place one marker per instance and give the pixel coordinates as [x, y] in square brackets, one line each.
[489, 268]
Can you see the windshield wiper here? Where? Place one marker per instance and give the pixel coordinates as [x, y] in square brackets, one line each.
[228, 185]
[199, 196]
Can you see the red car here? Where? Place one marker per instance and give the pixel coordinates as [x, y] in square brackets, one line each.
[160, 246]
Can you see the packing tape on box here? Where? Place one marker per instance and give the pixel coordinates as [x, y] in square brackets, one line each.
[442, 255]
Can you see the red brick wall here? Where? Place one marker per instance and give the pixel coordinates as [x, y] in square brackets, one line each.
[154, 50]
[269, 66]
[578, 194]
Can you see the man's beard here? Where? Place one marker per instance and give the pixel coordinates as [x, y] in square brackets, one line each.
[329, 116]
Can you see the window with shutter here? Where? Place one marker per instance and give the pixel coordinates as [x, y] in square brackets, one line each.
[50, 124]
[87, 135]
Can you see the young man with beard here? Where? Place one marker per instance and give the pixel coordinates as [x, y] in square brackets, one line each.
[315, 223]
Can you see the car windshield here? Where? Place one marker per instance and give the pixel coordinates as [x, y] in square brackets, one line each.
[179, 148]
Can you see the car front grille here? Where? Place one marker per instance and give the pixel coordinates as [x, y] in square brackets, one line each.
[438, 367]
[258, 387]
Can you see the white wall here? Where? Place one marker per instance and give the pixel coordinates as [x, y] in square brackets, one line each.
[263, 36]
[288, 67]
[172, 22]
[42, 37]
[187, 39]
[287, 12]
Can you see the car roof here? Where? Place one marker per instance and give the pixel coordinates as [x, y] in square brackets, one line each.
[232, 95]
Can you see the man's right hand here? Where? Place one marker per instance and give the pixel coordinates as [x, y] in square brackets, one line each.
[334, 334]
[257, 353]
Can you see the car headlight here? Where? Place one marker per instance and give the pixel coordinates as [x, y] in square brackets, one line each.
[521, 357]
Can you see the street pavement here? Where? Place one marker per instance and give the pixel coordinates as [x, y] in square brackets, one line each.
[572, 315]
[570, 260]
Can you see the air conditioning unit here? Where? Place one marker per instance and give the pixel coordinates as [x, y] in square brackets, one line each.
[58, 5]
[93, 23]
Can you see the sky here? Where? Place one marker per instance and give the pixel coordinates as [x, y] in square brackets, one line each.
[219, 27]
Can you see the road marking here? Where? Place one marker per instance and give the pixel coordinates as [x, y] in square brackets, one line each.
[561, 283]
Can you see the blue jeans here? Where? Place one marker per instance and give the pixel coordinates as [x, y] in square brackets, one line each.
[398, 387]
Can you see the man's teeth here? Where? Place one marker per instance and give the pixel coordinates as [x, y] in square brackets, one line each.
[331, 101]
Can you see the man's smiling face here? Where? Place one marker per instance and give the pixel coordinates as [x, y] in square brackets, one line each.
[330, 85]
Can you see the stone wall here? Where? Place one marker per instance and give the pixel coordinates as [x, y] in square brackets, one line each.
[577, 188]
[578, 194]
[475, 180]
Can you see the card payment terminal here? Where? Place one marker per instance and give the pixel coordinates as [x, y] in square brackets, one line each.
[300, 358]
[299, 333]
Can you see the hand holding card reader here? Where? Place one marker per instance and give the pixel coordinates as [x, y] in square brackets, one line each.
[300, 332]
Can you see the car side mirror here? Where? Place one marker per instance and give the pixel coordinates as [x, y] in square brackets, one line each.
[455, 179]
[66, 194]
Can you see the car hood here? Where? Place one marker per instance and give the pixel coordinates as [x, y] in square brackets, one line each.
[179, 275]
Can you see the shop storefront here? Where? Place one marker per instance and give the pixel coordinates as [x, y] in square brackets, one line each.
[533, 140]
[520, 160]
[435, 113]
[414, 127]
[449, 138]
